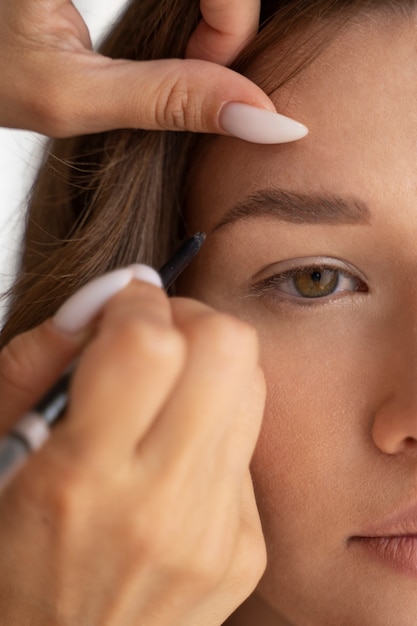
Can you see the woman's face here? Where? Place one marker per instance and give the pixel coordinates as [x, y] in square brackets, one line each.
[315, 244]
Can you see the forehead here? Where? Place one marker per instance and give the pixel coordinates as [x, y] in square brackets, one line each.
[359, 100]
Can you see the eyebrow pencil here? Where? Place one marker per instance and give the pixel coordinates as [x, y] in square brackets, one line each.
[181, 259]
[34, 428]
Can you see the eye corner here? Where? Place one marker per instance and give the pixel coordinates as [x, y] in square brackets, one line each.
[362, 287]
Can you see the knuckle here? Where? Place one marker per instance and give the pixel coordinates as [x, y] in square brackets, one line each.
[175, 108]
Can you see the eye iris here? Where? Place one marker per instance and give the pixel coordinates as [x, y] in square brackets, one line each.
[316, 283]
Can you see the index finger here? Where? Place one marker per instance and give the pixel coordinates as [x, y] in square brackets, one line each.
[226, 27]
[123, 378]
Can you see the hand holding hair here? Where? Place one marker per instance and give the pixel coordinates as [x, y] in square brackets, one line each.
[140, 507]
[51, 81]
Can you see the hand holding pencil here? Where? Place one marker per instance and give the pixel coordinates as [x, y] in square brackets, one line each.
[142, 495]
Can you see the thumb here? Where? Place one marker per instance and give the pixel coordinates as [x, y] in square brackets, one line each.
[30, 364]
[98, 94]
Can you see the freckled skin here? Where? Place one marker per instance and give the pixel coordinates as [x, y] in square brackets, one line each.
[341, 376]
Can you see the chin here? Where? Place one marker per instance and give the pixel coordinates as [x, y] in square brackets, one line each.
[358, 594]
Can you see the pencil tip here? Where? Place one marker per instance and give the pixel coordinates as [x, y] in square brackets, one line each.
[200, 237]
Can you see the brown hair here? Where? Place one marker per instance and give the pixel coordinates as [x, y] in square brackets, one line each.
[107, 200]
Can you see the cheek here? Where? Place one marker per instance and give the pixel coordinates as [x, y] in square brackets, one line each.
[311, 455]
[317, 420]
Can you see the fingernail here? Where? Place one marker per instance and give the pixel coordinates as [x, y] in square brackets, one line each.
[258, 125]
[81, 308]
[146, 273]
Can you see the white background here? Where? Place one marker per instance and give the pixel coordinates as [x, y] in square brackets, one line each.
[19, 151]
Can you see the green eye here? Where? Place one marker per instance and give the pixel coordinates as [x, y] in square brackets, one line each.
[316, 283]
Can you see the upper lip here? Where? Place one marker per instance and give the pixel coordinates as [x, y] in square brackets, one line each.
[398, 524]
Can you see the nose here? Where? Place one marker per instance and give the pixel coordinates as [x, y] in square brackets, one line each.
[394, 428]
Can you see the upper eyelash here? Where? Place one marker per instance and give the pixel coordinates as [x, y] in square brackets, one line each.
[283, 277]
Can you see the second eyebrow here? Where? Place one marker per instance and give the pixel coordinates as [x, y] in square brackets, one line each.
[298, 208]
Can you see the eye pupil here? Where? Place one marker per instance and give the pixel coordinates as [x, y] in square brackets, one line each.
[316, 283]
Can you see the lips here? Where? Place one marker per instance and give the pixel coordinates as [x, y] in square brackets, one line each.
[399, 553]
[392, 541]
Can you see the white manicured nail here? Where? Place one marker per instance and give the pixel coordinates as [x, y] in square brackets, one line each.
[258, 125]
[82, 307]
[146, 273]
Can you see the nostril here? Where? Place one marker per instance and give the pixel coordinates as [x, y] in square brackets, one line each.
[410, 442]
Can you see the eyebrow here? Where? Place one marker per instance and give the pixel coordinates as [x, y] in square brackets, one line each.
[298, 208]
